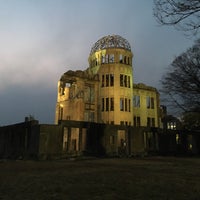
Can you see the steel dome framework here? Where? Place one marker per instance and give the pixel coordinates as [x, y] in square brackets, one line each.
[110, 41]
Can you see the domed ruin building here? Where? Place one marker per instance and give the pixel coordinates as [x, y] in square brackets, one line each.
[105, 92]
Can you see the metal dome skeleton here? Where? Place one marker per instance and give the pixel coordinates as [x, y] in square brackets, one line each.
[110, 41]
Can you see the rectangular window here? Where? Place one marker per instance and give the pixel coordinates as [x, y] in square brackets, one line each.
[102, 104]
[102, 81]
[153, 122]
[136, 101]
[125, 80]
[111, 58]
[121, 104]
[107, 104]
[129, 81]
[112, 104]
[126, 104]
[107, 80]
[106, 61]
[129, 105]
[152, 102]
[138, 121]
[103, 59]
[121, 80]
[111, 79]
[128, 60]
[148, 121]
[148, 102]
[120, 58]
[125, 59]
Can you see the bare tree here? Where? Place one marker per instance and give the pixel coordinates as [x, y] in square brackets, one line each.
[181, 83]
[183, 14]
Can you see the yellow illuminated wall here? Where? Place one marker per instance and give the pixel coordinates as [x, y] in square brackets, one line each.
[114, 68]
[76, 99]
[146, 106]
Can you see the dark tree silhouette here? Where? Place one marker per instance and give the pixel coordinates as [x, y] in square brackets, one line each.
[183, 14]
[181, 83]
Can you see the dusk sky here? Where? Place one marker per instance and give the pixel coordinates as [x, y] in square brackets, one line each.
[42, 39]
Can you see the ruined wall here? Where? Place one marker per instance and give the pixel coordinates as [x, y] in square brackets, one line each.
[19, 141]
[50, 141]
[137, 142]
[30, 140]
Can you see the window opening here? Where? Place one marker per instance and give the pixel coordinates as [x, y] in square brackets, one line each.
[129, 81]
[121, 80]
[136, 101]
[148, 100]
[124, 59]
[102, 104]
[125, 80]
[106, 61]
[107, 104]
[111, 79]
[102, 83]
[107, 80]
[125, 104]
[129, 105]
[152, 102]
[148, 121]
[103, 59]
[153, 122]
[121, 104]
[111, 58]
[138, 121]
[112, 104]
[120, 58]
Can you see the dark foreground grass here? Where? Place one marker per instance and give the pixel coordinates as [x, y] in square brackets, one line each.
[148, 178]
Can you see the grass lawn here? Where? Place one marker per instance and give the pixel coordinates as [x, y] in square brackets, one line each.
[162, 178]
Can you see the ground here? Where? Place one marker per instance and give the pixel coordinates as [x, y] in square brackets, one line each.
[104, 179]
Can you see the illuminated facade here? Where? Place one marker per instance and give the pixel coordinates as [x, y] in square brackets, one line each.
[146, 106]
[105, 92]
